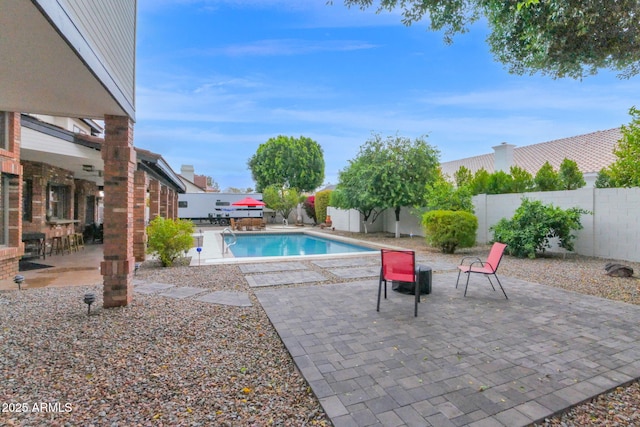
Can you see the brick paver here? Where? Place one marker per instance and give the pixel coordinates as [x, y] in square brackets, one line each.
[264, 267]
[150, 288]
[238, 299]
[181, 292]
[479, 360]
[284, 278]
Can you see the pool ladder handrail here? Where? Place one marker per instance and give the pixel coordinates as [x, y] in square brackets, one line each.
[235, 239]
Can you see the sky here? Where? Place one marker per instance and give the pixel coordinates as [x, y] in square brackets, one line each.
[217, 78]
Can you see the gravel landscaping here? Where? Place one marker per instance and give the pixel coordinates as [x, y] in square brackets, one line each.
[168, 362]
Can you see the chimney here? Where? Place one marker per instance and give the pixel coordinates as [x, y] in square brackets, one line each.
[503, 157]
[187, 172]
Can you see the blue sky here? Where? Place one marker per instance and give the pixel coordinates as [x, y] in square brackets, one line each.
[217, 78]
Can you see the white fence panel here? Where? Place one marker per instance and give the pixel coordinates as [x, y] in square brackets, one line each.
[611, 230]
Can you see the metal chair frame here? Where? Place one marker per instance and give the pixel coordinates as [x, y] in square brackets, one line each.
[484, 267]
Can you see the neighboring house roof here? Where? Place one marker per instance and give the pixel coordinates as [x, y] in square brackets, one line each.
[190, 186]
[592, 152]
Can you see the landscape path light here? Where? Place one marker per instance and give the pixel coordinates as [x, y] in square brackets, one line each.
[89, 298]
[18, 281]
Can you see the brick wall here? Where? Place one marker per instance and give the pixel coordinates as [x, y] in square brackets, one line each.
[11, 168]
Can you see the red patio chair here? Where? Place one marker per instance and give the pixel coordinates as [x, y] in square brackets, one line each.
[398, 266]
[488, 267]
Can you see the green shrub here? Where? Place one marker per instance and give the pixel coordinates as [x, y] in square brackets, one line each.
[440, 194]
[533, 224]
[169, 238]
[322, 201]
[449, 230]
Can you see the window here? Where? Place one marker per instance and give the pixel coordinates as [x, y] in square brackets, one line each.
[77, 129]
[183, 204]
[4, 130]
[4, 210]
[27, 200]
[58, 201]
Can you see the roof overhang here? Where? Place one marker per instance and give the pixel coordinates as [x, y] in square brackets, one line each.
[156, 167]
[48, 144]
[48, 67]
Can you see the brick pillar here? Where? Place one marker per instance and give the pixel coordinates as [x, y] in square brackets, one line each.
[154, 199]
[173, 205]
[139, 205]
[164, 200]
[119, 166]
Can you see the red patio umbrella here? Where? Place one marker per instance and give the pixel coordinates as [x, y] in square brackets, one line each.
[248, 201]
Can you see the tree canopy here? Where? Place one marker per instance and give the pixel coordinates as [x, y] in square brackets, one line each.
[570, 176]
[392, 172]
[625, 171]
[286, 161]
[356, 191]
[281, 200]
[560, 38]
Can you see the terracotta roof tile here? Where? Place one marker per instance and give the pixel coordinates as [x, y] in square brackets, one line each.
[591, 152]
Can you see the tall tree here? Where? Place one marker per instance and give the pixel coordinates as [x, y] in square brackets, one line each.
[212, 185]
[443, 195]
[463, 177]
[355, 190]
[281, 200]
[500, 182]
[286, 161]
[480, 183]
[625, 171]
[572, 38]
[547, 178]
[570, 176]
[522, 180]
[395, 170]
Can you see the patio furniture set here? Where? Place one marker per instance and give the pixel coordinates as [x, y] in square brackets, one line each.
[400, 266]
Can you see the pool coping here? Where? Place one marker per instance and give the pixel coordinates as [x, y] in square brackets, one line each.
[211, 253]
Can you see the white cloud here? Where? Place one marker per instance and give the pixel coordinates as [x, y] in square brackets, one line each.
[283, 47]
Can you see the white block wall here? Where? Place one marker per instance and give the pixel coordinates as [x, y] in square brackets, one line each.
[611, 230]
[617, 223]
[351, 220]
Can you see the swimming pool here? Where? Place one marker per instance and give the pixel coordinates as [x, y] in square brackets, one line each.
[289, 244]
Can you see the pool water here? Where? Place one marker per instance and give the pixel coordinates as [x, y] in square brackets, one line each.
[289, 244]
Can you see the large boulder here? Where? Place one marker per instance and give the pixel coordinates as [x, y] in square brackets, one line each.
[618, 270]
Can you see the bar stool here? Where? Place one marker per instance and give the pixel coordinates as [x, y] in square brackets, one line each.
[56, 245]
[66, 244]
[79, 241]
[73, 243]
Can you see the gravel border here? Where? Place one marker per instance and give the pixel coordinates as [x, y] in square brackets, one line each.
[171, 362]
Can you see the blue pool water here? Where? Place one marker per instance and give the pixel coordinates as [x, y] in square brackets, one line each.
[289, 244]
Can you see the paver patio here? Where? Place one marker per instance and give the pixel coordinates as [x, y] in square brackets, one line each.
[479, 360]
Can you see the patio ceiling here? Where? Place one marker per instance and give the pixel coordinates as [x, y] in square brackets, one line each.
[42, 73]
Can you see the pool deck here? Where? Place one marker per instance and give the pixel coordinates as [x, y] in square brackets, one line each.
[479, 360]
[211, 248]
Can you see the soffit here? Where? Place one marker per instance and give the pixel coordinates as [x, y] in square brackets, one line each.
[41, 73]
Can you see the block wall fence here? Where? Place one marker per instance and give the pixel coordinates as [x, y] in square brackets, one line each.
[611, 230]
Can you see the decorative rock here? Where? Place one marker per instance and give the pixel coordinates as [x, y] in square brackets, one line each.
[618, 270]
